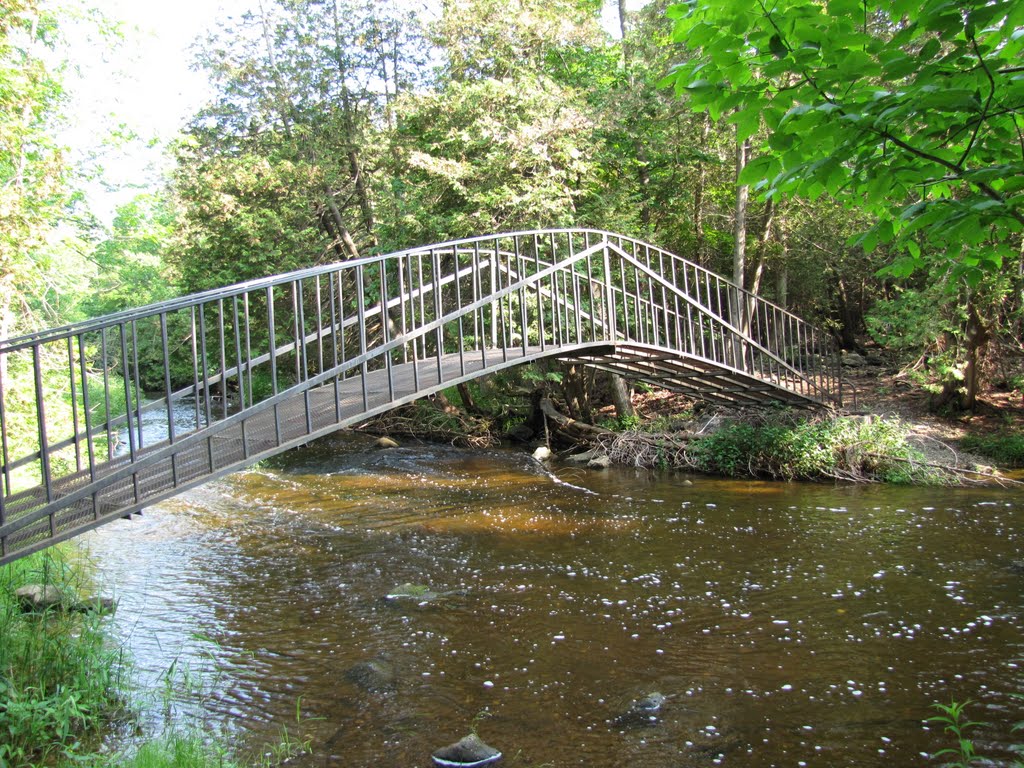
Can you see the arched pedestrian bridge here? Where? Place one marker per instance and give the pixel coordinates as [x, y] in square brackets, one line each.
[247, 371]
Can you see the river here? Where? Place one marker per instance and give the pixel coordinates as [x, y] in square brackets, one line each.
[786, 624]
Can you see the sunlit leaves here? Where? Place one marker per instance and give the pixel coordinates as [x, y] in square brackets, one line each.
[913, 112]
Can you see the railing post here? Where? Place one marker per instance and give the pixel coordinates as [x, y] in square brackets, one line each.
[609, 289]
[44, 451]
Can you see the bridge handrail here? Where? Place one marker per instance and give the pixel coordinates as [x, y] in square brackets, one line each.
[167, 306]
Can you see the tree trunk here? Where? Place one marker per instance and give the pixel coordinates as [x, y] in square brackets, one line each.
[976, 338]
[467, 399]
[344, 235]
[739, 249]
[575, 390]
[698, 194]
[848, 320]
[782, 286]
[570, 429]
[363, 196]
[620, 393]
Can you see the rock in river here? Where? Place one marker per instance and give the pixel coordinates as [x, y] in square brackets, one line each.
[643, 711]
[413, 593]
[45, 597]
[466, 752]
[373, 676]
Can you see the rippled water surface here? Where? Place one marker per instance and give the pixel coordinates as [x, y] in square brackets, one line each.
[787, 624]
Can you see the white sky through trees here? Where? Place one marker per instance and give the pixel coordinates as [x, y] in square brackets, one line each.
[129, 98]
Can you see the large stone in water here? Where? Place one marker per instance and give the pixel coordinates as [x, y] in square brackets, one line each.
[417, 593]
[643, 711]
[467, 752]
[582, 458]
[36, 598]
[373, 676]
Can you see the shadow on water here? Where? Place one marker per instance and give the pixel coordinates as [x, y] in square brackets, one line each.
[785, 624]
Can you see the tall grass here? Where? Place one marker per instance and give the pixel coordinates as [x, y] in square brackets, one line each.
[60, 677]
[177, 751]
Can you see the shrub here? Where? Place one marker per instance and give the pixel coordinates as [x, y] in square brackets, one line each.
[783, 447]
[1004, 448]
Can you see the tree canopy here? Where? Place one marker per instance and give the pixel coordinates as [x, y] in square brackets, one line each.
[914, 112]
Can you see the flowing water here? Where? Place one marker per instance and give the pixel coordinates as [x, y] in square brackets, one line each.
[786, 624]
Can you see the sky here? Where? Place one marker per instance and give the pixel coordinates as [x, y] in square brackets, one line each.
[145, 82]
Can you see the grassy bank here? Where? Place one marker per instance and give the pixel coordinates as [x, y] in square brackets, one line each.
[61, 679]
[65, 683]
[780, 444]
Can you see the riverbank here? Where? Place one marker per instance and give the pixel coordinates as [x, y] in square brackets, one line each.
[886, 433]
[66, 682]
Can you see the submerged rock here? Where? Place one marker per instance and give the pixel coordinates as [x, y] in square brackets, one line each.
[386, 442]
[467, 752]
[600, 462]
[643, 711]
[39, 597]
[420, 595]
[416, 593]
[373, 676]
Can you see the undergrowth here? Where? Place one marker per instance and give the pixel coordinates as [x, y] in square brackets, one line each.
[1004, 448]
[784, 446]
[60, 677]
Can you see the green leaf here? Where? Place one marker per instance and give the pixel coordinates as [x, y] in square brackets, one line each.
[777, 47]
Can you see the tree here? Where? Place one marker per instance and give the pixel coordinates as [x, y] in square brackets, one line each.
[277, 172]
[913, 113]
[33, 174]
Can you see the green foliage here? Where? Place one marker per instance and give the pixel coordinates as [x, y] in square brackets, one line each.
[909, 111]
[21, 418]
[33, 173]
[192, 749]
[482, 40]
[788, 448]
[59, 676]
[489, 156]
[1006, 448]
[178, 751]
[909, 322]
[131, 267]
[954, 722]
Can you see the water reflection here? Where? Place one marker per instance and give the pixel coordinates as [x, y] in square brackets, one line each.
[786, 624]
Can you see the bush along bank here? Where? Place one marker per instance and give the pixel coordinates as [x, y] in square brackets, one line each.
[777, 443]
[781, 444]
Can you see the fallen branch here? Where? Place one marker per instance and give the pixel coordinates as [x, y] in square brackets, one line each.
[572, 430]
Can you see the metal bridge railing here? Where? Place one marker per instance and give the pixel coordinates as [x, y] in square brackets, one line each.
[76, 401]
